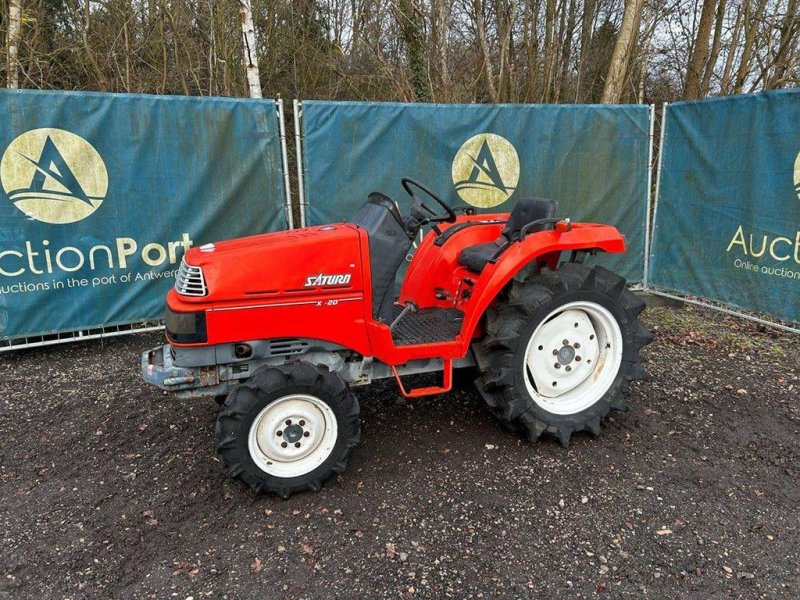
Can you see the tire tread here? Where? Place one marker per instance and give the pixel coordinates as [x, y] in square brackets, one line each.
[495, 354]
[262, 387]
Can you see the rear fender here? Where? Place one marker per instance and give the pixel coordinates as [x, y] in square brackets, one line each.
[546, 245]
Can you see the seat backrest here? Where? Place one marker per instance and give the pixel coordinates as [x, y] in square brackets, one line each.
[388, 245]
[527, 210]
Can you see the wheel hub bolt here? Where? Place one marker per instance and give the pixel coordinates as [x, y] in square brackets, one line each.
[568, 368]
[578, 358]
[557, 365]
[576, 345]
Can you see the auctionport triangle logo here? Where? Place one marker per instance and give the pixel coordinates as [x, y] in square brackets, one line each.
[486, 170]
[53, 176]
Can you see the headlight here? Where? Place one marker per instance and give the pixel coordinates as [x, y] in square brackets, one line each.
[185, 328]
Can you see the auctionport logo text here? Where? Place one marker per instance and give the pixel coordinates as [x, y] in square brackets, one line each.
[40, 258]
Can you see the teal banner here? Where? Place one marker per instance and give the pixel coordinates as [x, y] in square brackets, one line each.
[726, 223]
[592, 159]
[101, 195]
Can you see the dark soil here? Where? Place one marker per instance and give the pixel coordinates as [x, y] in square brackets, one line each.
[112, 489]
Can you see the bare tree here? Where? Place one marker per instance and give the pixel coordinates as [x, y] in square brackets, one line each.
[727, 70]
[699, 55]
[716, 45]
[412, 25]
[629, 31]
[751, 22]
[12, 37]
[566, 51]
[483, 42]
[778, 70]
[440, 20]
[442, 50]
[549, 49]
[250, 49]
[531, 43]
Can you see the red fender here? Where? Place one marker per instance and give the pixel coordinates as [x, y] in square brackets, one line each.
[494, 277]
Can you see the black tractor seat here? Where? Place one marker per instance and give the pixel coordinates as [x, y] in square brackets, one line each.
[526, 211]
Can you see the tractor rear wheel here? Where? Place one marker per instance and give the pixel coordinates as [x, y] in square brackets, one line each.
[288, 428]
[560, 350]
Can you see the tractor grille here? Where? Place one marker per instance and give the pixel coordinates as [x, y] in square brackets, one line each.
[190, 280]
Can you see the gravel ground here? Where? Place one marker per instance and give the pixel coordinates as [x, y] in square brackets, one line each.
[112, 489]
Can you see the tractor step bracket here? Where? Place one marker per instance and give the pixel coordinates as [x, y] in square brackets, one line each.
[447, 382]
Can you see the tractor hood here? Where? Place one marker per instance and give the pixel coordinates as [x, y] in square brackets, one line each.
[294, 263]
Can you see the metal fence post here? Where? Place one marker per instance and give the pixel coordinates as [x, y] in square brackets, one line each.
[652, 229]
[648, 223]
[298, 142]
[285, 165]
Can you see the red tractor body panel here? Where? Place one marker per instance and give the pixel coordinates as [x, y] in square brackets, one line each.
[315, 282]
[271, 286]
[279, 264]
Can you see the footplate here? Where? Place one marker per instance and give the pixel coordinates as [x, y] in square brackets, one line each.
[426, 325]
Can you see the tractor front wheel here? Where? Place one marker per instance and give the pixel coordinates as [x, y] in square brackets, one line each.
[288, 428]
[560, 350]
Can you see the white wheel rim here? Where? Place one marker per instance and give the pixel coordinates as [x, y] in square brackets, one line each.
[292, 436]
[573, 357]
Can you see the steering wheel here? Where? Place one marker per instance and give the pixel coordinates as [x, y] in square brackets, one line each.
[420, 213]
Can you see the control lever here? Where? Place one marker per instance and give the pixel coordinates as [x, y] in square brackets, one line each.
[407, 307]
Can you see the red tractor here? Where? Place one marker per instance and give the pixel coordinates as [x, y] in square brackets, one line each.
[283, 325]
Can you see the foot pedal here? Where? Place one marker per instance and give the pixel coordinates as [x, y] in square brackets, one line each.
[447, 383]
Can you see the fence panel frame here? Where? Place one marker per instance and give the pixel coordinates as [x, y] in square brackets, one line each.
[647, 287]
[285, 163]
[298, 144]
